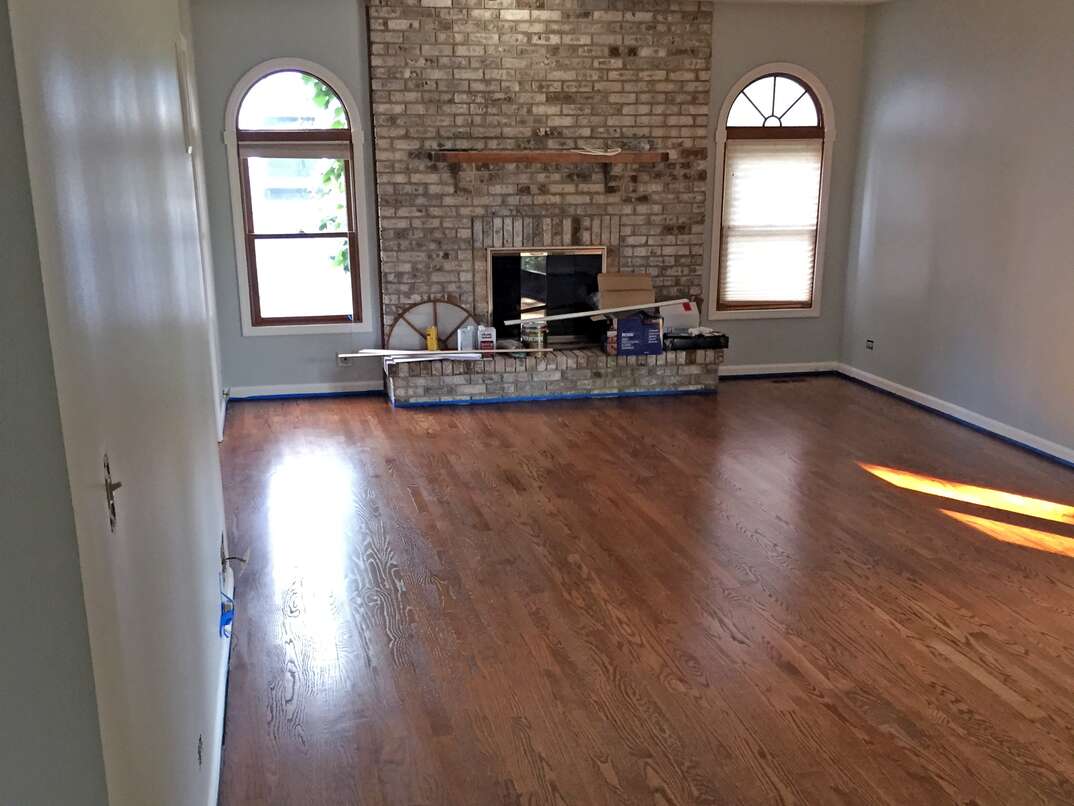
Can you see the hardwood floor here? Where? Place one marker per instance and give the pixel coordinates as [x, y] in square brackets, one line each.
[649, 601]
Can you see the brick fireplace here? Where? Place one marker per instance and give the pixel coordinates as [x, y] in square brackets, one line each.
[537, 75]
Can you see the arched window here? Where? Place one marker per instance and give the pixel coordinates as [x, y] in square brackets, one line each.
[290, 129]
[773, 150]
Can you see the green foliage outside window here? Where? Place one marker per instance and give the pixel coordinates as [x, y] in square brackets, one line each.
[333, 180]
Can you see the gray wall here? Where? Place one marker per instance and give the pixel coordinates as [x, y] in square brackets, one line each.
[961, 267]
[230, 37]
[828, 41]
[50, 747]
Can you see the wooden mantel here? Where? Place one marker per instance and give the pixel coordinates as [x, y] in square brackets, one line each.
[547, 157]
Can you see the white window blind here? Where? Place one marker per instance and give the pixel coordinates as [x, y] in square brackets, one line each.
[771, 199]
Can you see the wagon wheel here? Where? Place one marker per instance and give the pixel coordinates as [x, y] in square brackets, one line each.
[408, 330]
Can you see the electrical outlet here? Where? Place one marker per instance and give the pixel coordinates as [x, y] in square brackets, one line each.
[870, 344]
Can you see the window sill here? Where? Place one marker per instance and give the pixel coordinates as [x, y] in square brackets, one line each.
[773, 313]
[307, 330]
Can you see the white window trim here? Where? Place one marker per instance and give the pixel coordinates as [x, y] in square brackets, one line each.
[827, 110]
[357, 201]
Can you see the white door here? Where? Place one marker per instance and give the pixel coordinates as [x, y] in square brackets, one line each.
[121, 260]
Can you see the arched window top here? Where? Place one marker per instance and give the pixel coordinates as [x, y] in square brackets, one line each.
[291, 100]
[775, 101]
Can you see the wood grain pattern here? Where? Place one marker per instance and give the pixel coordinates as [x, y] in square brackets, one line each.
[677, 601]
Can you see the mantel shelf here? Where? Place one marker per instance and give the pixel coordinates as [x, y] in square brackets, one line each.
[547, 157]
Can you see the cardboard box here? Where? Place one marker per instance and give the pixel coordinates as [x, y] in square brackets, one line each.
[623, 299]
[620, 289]
[624, 281]
[682, 316]
[639, 335]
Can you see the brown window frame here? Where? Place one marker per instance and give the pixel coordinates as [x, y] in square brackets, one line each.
[772, 133]
[299, 137]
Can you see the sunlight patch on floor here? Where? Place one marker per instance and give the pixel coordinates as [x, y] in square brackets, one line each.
[1016, 535]
[969, 494]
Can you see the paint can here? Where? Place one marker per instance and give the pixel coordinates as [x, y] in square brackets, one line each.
[534, 335]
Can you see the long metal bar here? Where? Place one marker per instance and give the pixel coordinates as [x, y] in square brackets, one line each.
[559, 317]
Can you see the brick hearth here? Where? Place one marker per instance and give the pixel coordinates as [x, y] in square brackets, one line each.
[563, 374]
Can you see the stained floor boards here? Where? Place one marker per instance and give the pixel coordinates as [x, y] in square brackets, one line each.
[660, 601]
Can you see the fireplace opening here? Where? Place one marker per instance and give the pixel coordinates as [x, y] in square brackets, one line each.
[531, 283]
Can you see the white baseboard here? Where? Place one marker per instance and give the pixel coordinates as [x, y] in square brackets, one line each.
[304, 389]
[221, 417]
[1011, 433]
[746, 370]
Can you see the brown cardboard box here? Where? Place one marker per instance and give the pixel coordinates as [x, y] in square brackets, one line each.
[620, 289]
[623, 299]
[624, 281]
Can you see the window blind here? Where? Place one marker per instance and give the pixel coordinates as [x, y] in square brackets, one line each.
[771, 200]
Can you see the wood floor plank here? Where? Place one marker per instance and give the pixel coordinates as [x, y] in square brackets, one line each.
[659, 601]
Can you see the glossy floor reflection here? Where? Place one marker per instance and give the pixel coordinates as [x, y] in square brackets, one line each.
[691, 600]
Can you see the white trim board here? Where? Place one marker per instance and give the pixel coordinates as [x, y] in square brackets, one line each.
[559, 317]
[304, 389]
[221, 415]
[972, 418]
